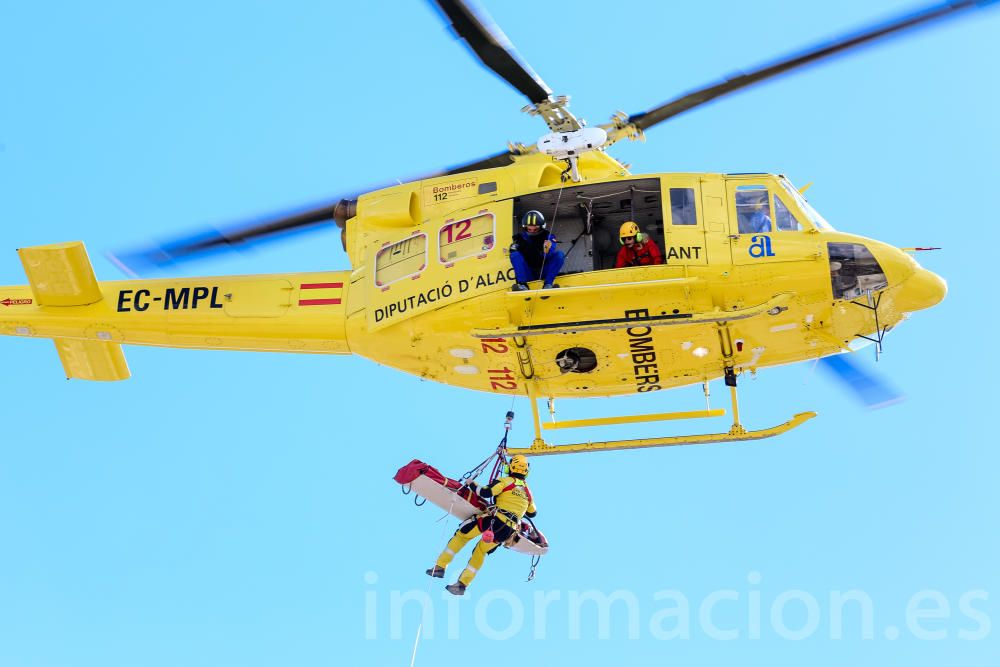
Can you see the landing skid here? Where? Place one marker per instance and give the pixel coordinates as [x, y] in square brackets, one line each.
[736, 434]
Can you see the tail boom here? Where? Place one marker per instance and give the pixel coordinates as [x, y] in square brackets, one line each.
[279, 313]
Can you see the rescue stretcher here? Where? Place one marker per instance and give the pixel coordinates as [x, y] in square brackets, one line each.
[462, 503]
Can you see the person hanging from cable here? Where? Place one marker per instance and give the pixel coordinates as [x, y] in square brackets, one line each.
[511, 501]
[637, 248]
[534, 253]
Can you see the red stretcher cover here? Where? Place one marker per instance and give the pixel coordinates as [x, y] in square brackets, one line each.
[427, 481]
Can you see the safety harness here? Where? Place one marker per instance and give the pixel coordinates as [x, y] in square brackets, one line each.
[500, 459]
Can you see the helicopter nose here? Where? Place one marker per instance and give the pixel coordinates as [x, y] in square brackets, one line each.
[921, 290]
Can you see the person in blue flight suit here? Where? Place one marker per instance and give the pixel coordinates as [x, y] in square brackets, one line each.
[534, 254]
[759, 220]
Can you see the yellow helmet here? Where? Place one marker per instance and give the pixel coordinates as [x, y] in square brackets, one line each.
[519, 465]
[629, 229]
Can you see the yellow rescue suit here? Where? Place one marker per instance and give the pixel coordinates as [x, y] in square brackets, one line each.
[512, 500]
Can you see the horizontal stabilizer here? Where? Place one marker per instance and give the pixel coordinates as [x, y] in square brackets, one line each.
[92, 360]
[60, 274]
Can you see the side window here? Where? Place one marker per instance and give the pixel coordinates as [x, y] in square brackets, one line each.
[784, 219]
[753, 210]
[682, 211]
[466, 238]
[401, 259]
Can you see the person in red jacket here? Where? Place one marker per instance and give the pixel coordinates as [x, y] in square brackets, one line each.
[637, 249]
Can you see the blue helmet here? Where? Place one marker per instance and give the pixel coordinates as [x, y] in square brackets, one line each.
[533, 218]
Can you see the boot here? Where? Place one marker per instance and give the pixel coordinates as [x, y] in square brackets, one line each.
[519, 287]
[436, 572]
[457, 588]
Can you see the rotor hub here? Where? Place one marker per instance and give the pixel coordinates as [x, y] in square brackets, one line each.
[565, 145]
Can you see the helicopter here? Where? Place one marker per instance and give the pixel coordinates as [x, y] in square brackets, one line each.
[429, 293]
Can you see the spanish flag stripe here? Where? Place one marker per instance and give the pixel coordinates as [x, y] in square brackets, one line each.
[329, 294]
[319, 302]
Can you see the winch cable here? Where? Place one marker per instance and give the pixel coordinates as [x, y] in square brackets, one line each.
[552, 231]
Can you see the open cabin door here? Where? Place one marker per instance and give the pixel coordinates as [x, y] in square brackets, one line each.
[586, 219]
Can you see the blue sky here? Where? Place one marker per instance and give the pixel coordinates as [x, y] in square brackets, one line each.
[225, 508]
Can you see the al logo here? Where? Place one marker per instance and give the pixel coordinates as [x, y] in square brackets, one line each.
[760, 246]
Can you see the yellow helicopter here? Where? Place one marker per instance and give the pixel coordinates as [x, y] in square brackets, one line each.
[430, 292]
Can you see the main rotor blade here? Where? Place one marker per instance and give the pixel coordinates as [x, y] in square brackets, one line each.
[485, 39]
[210, 241]
[647, 119]
[214, 240]
[501, 159]
[867, 388]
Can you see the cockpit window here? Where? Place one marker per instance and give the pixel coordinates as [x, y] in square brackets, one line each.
[811, 213]
[784, 218]
[854, 271]
[753, 209]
